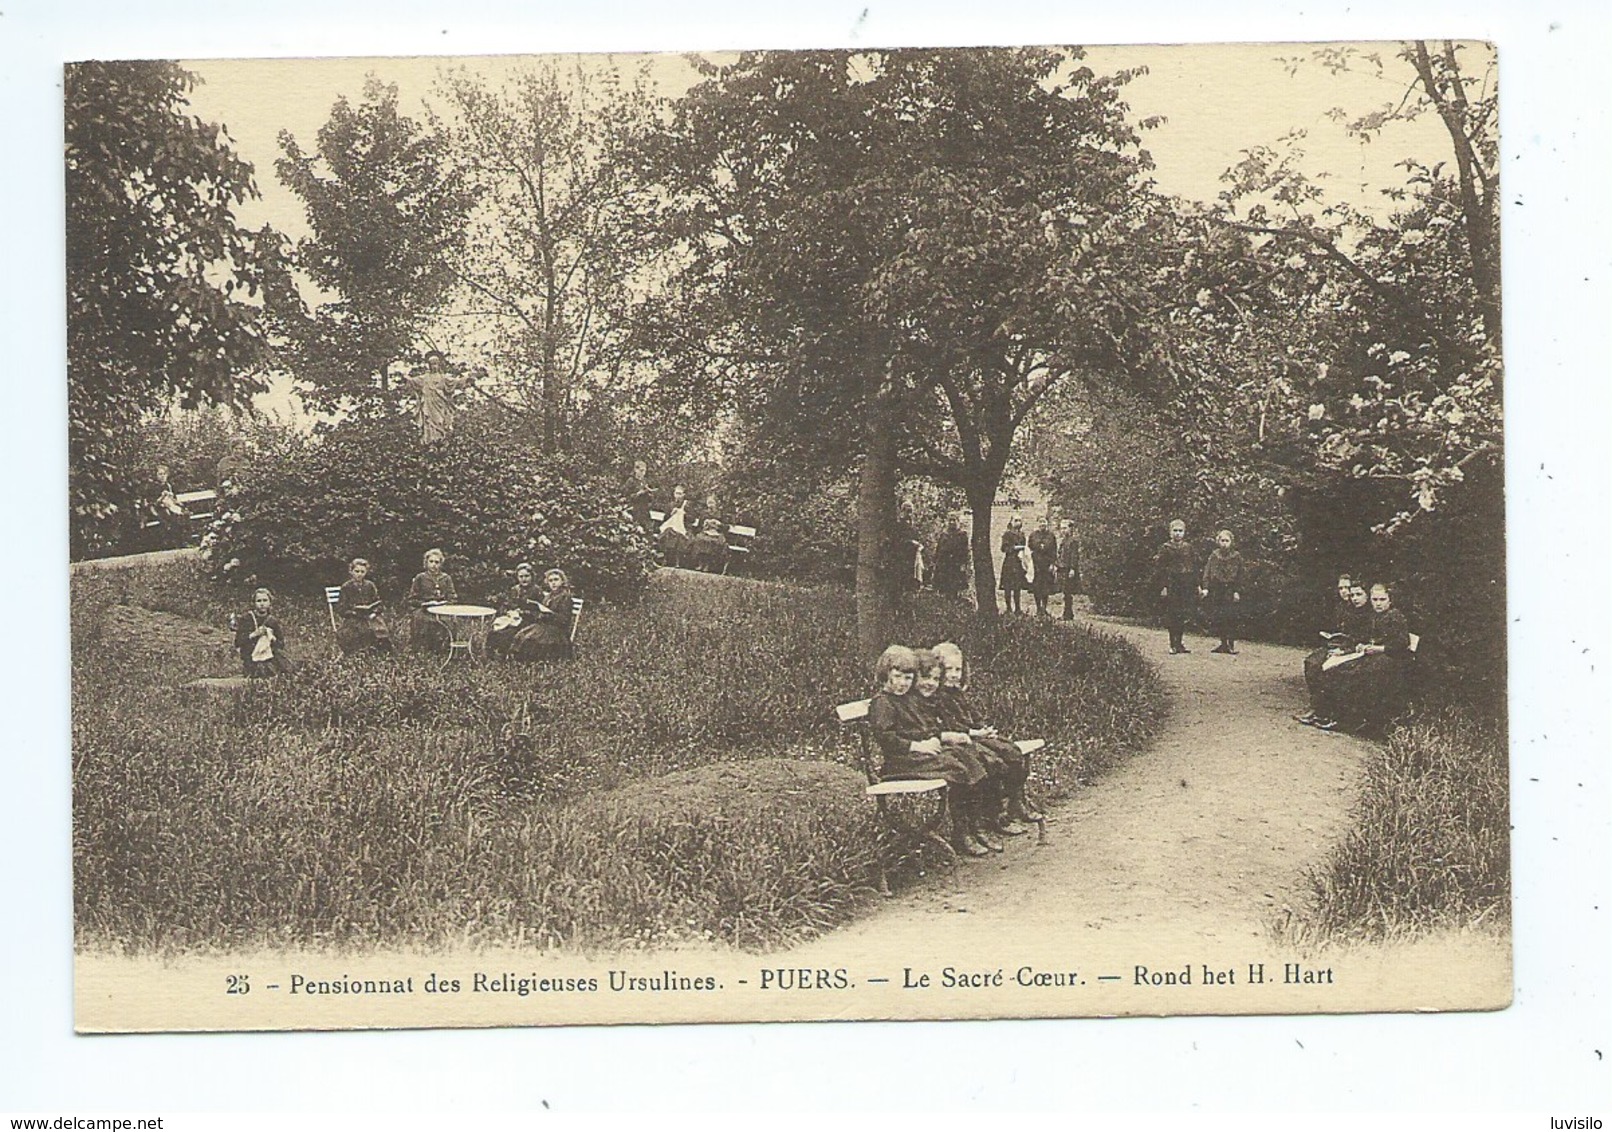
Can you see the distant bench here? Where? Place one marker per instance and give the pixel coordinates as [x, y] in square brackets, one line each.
[197, 505]
[739, 537]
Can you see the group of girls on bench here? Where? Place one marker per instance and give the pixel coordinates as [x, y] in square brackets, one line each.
[1357, 679]
[925, 726]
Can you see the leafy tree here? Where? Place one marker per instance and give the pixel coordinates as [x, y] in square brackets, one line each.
[555, 251]
[1403, 337]
[161, 280]
[388, 212]
[874, 244]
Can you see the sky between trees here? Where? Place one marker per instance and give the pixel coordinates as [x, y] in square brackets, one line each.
[1217, 101]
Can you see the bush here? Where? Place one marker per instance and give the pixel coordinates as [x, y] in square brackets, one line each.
[1430, 843]
[390, 801]
[367, 487]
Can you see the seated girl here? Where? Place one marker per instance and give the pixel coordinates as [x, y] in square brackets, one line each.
[1353, 626]
[517, 611]
[360, 624]
[260, 638]
[910, 746]
[674, 534]
[546, 633]
[1364, 694]
[709, 549]
[988, 793]
[431, 586]
[1011, 765]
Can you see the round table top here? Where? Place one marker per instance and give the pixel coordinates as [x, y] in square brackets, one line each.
[460, 610]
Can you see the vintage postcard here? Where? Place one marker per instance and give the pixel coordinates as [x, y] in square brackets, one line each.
[886, 533]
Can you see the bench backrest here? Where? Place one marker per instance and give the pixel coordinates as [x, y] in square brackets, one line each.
[739, 538]
[332, 595]
[198, 505]
[856, 712]
[576, 617]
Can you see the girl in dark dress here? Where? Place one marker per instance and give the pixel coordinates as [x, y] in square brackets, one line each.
[1365, 693]
[951, 559]
[1013, 579]
[907, 735]
[260, 638]
[360, 624]
[1009, 766]
[547, 634]
[1224, 576]
[1350, 623]
[431, 586]
[517, 611]
[985, 801]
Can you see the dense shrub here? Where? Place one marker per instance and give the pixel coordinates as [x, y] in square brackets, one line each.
[1430, 844]
[396, 801]
[368, 487]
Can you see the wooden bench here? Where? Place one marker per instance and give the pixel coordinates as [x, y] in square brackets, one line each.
[199, 505]
[882, 791]
[739, 540]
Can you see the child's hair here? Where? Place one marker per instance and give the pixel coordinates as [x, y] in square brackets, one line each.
[527, 566]
[1346, 576]
[1228, 534]
[426, 557]
[357, 562]
[556, 572]
[893, 659]
[925, 661]
[263, 590]
[950, 653]
[1383, 586]
[1174, 523]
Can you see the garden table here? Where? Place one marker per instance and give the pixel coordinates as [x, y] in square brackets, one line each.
[461, 621]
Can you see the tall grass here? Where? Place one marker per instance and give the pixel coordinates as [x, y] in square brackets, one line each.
[679, 779]
[1430, 843]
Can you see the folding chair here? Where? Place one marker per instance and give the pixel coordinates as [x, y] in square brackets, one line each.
[332, 599]
[576, 619]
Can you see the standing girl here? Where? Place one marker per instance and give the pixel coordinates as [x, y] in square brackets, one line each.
[1223, 577]
[1014, 547]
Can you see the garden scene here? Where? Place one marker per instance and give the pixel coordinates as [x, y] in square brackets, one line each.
[899, 334]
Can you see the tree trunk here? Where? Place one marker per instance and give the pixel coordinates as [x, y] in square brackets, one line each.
[875, 518]
[980, 498]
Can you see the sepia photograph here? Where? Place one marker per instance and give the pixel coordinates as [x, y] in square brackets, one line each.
[816, 559]
[862, 533]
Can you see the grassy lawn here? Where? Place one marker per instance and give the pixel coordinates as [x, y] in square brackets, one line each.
[1430, 845]
[681, 779]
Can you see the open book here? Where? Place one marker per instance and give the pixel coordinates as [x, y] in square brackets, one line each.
[1332, 662]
